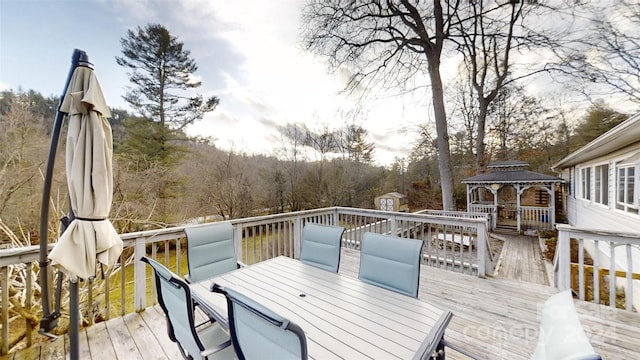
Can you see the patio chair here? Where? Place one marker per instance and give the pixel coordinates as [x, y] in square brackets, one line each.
[321, 246]
[391, 262]
[561, 335]
[259, 333]
[210, 251]
[204, 341]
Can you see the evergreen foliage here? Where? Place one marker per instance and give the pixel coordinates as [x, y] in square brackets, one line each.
[161, 72]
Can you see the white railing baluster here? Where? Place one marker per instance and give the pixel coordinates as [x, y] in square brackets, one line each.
[596, 273]
[4, 276]
[581, 281]
[629, 291]
[28, 302]
[123, 308]
[612, 277]
[107, 291]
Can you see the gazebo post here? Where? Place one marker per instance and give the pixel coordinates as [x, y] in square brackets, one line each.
[552, 201]
[495, 207]
[518, 210]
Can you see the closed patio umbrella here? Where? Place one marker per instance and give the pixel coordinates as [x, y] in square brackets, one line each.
[90, 236]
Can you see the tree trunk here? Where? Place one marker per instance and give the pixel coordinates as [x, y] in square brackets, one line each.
[480, 147]
[444, 154]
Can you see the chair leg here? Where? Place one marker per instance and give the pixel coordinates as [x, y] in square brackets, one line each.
[439, 353]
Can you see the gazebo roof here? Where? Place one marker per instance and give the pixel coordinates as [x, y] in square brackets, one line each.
[512, 171]
[519, 176]
[515, 164]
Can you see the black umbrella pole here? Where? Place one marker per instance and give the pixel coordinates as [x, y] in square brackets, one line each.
[74, 321]
[49, 319]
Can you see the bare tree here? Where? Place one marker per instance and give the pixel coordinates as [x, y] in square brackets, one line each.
[22, 152]
[230, 189]
[352, 141]
[387, 43]
[514, 121]
[604, 54]
[464, 111]
[487, 34]
[292, 154]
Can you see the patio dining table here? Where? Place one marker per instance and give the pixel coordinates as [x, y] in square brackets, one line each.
[342, 317]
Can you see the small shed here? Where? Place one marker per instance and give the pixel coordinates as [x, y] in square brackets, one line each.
[393, 201]
[515, 197]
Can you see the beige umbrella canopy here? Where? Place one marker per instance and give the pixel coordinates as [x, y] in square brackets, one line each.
[89, 152]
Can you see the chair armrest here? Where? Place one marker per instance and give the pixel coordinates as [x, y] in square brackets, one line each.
[434, 338]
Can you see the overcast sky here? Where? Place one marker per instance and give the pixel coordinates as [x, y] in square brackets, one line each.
[247, 52]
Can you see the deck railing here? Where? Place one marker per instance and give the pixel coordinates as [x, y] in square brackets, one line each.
[453, 241]
[489, 210]
[605, 264]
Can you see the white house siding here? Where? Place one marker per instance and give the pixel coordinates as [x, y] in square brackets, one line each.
[588, 214]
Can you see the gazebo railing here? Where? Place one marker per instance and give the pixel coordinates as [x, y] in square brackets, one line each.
[536, 217]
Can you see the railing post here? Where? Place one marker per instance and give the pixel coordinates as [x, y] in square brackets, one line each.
[563, 258]
[139, 275]
[4, 276]
[393, 229]
[481, 230]
[237, 241]
[297, 236]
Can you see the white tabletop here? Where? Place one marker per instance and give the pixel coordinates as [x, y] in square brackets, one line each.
[342, 317]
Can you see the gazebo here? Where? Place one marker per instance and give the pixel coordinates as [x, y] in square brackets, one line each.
[515, 197]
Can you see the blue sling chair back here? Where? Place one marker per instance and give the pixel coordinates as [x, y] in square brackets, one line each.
[210, 251]
[195, 342]
[391, 262]
[321, 246]
[259, 333]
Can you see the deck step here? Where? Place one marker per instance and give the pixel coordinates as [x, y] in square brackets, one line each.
[506, 229]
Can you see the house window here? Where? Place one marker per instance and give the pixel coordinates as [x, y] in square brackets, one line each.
[601, 184]
[585, 182]
[626, 188]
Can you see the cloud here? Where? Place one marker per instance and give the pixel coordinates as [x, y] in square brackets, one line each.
[269, 123]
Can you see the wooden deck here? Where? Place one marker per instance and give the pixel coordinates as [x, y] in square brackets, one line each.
[494, 318]
[521, 259]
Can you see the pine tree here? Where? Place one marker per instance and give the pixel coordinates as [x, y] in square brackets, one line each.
[161, 72]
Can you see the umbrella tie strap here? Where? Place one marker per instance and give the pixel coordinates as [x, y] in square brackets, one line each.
[90, 219]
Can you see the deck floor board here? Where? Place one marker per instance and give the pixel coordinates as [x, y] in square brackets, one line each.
[496, 317]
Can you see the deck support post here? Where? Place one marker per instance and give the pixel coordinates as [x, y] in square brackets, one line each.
[482, 250]
[563, 259]
[297, 237]
[139, 275]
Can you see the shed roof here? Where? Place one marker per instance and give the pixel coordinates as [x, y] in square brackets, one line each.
[394, 194]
